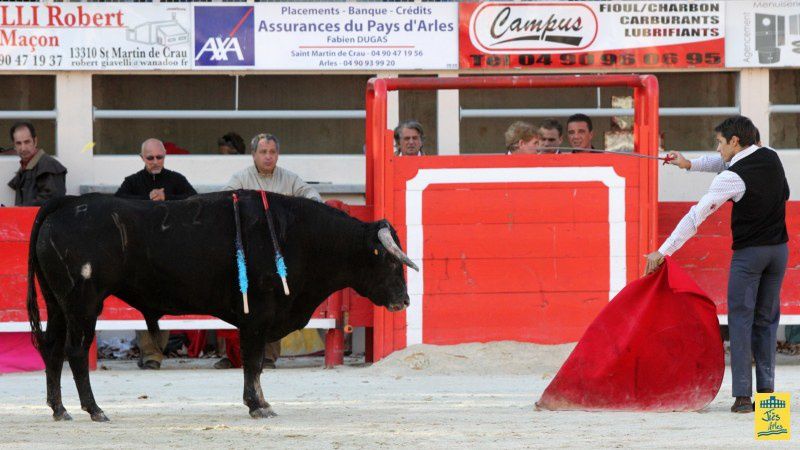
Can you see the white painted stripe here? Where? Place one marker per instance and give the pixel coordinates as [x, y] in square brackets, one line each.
[426, 177]
[169, 324]
[786, 319]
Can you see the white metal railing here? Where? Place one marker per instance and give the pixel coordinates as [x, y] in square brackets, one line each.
[228, 114]
[22, 115]
[784, 109]
[596, 112]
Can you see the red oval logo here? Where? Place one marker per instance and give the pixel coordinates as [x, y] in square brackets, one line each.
[503, 28]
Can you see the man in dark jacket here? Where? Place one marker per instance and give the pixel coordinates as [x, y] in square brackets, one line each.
[40, 176]
[155, 183]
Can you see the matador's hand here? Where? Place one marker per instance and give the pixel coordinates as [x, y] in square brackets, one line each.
[654, 260]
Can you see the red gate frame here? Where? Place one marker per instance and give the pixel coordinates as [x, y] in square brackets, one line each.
[379, 155]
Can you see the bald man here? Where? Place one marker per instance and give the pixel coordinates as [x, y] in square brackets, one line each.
[158, 184]
[154, 182]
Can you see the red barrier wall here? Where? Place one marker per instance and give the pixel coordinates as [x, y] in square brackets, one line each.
[707, 256]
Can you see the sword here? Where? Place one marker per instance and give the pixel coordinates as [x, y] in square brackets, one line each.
[666, 159]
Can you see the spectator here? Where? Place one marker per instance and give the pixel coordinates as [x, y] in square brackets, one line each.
[265, 175]
[155, 183]
[231, 144]
[552, 135]
[579, 132]
[409, 137]
[40, 176]
[522, 138]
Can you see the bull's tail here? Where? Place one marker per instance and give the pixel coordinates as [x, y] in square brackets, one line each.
[37, 336]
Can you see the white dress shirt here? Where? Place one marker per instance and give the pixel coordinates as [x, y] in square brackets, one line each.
[726, 186]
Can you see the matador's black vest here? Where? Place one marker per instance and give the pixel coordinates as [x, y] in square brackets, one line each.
[759, 218]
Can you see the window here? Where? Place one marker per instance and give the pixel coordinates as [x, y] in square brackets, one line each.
[784, 119]
[193, 111]
[31, 98]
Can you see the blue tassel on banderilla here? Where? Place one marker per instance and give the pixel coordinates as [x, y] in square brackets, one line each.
[241, 266]
[280, 264]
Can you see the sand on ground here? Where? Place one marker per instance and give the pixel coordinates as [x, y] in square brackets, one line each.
[470, 395]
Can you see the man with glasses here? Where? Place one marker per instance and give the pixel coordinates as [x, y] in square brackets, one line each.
[155, 183]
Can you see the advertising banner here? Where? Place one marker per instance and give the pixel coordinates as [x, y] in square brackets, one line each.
[592, 35]
[96, 37]
[274, 36]
[327, 36]
[763, 34]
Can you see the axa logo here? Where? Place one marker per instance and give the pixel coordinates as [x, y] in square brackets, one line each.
[532, 27]
[219, 49]
[224, 36]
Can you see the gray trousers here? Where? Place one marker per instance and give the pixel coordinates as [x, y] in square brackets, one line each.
[754, 289]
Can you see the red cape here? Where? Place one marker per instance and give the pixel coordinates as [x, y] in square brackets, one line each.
[655, 347]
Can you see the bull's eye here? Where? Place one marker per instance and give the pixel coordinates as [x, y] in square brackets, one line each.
[375, 251]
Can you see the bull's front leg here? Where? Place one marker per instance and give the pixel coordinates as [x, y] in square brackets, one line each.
[252, 345]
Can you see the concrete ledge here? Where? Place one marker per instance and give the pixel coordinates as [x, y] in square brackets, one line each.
[322, 188]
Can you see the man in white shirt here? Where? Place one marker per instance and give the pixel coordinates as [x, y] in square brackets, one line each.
[754, 179]
[265, 175]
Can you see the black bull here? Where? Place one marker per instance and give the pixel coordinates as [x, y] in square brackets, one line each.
[179, 258]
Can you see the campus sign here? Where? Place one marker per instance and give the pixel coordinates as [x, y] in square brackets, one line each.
[592, 35]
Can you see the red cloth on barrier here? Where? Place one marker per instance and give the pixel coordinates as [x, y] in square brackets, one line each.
[17, 353]
[197, 342]
[232, 346]
[655, 347]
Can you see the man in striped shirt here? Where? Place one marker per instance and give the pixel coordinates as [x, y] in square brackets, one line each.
[753, 178]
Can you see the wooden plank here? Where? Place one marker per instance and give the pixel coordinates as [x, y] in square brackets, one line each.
[537, 240]
[498, 275]
[544, 318]
[624, 166]
[519, 203]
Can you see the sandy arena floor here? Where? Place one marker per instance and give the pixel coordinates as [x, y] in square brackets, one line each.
[474, 395]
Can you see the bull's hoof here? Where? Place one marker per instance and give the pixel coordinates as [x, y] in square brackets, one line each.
[263, 413]
[99, 416]
[63, 415]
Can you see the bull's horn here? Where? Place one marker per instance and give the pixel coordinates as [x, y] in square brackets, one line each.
[385, 236]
